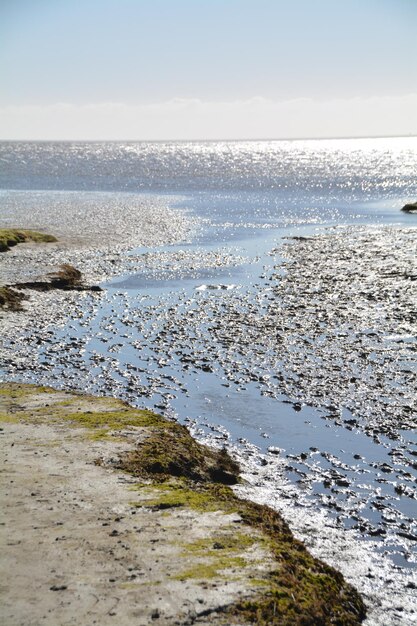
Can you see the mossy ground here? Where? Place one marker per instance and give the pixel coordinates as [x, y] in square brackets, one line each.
[176, 493]
[100, 416]
[172, 452]
[10, 237]
[176, 473]
[300, 589]
[223, 555]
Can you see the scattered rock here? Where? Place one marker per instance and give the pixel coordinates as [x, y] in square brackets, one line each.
[410, 208]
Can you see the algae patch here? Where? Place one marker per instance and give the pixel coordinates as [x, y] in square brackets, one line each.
[43, 404]
[227, 554]
[173, 452]
[184, 494]
[223, 567]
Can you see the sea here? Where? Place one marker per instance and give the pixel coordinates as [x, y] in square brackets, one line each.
[188, 329]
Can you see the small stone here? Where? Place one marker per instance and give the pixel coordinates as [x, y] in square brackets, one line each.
[274, 450]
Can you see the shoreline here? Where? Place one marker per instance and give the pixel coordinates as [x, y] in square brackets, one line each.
[235, 563]
[66, 302]
[236, 603]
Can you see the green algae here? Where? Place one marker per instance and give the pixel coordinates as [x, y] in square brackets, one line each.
[168, 495]
[220, 567]
[103, 414]
[23, 390]
[109, 420]
[114, 420]
[220, 552]
[221, 543]
[9, 418]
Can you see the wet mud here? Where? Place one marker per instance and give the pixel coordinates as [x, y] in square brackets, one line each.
[299, 357]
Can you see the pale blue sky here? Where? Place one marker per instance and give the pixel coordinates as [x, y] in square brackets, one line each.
[144, 54]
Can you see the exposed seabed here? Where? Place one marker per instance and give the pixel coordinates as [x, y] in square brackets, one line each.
[298, 355]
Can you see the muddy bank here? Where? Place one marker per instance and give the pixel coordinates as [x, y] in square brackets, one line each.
[99, 526]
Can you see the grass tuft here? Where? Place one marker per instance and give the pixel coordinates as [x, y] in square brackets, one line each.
[10, 237]
[67, 276]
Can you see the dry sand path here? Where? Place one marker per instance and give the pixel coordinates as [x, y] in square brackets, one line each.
[84, 542]
[78, 547]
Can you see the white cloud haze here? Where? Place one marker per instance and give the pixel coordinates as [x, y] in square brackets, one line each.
[256, 118]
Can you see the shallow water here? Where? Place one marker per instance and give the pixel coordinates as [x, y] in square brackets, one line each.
[189, 329]
[152, 335]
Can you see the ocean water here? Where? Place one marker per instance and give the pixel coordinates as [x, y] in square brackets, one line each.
[176, 331]
[239, 186]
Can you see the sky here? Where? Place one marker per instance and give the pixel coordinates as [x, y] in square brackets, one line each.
[207, 69]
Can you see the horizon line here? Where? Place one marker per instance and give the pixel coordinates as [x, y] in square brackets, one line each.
[201, 140]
